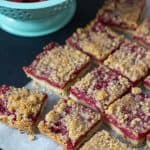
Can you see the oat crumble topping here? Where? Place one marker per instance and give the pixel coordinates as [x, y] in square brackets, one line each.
[70, 120]
[58, 65]
[104, 141]
[122, 13]
[132, 111]
[143, 32]
[21, 104]
[131, 60]
[96, 40]
[102, 85]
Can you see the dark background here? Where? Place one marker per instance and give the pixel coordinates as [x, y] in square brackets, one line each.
[16, 52]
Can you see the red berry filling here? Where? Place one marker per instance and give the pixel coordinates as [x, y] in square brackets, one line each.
[113, 19]
[147, 81]
[82, 95]
[148, 137]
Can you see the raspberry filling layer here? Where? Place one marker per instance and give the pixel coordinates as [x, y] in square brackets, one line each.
[82, 95]
[126, 131]
[148, 137]
[147, 81]
[3, 102]
[111, 19]
[44, 75]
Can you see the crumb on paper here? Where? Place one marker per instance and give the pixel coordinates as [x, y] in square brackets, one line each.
[31, 137]
[35, 85]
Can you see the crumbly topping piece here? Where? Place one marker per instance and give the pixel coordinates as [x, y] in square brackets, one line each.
[31, 137]
[70, 120]
[132, 111]
[102, 85]
[96, 40]
[131, 60]
[21, 104]
[123, 13]
[136, 90]
[58, 65]
[143, 32]
[102, 141]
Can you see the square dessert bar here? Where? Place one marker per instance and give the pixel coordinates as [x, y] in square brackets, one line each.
[142, 34]
[131, 60]
[148, 140]
[20, 108]
[130, 116]
[57, 67]
[122, 14]
[99, 88]
[96, 40]
[70, 124]
[102, 140]
[147, 82]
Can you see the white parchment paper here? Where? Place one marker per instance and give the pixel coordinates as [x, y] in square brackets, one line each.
[11, 139]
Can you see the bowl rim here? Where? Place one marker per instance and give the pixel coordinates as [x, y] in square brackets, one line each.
[34, 5]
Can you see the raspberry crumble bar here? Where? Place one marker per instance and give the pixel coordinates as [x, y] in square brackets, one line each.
[148, 140]
[142, 34]
[96, 40]
[70, 124]
[130, 116]
[131, 60]
[104, 141]
[57, 67]
[99, 88]
[147, 83]
[122, 14]
[20, 108]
